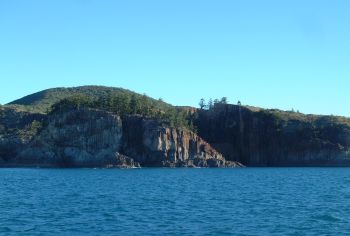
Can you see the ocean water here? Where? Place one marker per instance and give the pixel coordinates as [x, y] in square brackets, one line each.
[247, 201]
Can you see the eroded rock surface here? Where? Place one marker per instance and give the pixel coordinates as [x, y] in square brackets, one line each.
[156, 144]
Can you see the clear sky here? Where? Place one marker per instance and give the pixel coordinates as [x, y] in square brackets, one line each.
[275, 54]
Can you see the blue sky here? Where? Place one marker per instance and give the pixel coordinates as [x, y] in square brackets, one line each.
[275, 54]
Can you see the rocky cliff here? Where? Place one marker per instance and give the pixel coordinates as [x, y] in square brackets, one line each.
[257, 137]
[93, 138]
[71, 127]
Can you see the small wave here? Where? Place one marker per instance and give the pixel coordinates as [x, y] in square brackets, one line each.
[327, 217]
[5, 229]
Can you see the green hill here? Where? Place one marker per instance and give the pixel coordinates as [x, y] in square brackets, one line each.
[117, 100]
[42, 101]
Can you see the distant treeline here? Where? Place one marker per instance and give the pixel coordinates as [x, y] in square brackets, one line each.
[203, 104]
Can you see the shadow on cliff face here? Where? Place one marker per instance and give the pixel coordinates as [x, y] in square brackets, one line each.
[275, 138]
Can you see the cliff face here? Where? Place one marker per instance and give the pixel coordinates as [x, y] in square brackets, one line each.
[155, 144]
[232, 134]
[260, 138]
[92, 138]
[81, 138]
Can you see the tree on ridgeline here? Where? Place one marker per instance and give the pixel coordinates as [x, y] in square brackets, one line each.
[135, 105]
[210, 104]
[120, 104]
[202, 104]
[146, 106]
[216, 101]
[224, 100]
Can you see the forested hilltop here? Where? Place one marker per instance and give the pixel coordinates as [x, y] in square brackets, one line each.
[117, 100]
[249, 135]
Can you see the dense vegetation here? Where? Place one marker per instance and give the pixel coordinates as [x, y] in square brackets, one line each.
[42, 101]
[124, 104]
[117, 100]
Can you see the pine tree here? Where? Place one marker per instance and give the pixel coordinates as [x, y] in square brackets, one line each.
[202, 104]
[210, 104]
[224, 100]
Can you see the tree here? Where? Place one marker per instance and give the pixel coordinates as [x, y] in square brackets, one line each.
[146, 106]
[120, 104]
[210, 104]
[134, 104]
[224, 100]
[202, 103]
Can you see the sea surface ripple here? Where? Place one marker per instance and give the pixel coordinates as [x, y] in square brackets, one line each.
[246, 201]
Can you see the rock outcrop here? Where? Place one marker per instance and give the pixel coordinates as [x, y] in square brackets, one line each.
[93, 138]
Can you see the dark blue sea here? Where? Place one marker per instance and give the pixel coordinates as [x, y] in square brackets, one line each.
[247, 201]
